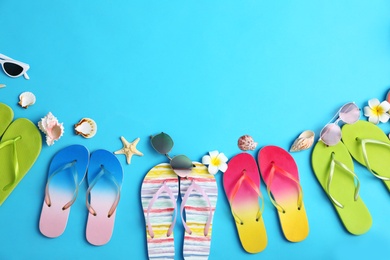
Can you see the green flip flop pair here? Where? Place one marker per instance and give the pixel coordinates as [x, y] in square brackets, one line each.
[333, 167]
[20, 145]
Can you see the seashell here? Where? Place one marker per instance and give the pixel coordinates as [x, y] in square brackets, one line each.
[86, 128]
[2, 85]
[303, 142]
[51, 128]
[27, 99]
[246, 143]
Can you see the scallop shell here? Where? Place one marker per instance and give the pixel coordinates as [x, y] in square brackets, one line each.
[2, 85]
[26, 99]
[303, 142]
[246, 143]
[86, 128]
[50, 126]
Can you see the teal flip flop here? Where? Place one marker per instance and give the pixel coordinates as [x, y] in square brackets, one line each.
[333, 167]
[6, 115]
[105, 175]
[369, 146]
[19, 148]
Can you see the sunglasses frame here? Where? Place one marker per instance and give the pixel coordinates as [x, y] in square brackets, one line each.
[24, 66]
[179, 171]
[338, 119]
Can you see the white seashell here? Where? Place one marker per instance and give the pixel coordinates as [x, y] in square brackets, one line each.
[51, 128]
[303, 142]
[246, 143]
[2, 85]
[86, 128]
[27, 99]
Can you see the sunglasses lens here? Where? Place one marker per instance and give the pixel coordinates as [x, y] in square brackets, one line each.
[181, 162]
[331, 134]
[13, 69]
[349, 113]
[162, 143]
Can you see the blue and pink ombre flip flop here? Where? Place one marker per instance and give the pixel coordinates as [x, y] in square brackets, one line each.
[105, 177]
[66, 172]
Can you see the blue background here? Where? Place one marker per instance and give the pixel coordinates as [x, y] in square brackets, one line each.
[206, 72]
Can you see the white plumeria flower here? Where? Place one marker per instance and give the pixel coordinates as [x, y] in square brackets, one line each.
[377, 112]
[215, 161]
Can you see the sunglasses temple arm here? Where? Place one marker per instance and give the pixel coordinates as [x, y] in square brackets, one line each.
[26, 76]
[2, 56]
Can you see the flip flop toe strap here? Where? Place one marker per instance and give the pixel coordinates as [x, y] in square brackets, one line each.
[191, 188]
[15, 162]
[72, 167]
[364, 143]
[104, 173]
[244, 177]
[276, 169]
[164, 188]
[333, 164]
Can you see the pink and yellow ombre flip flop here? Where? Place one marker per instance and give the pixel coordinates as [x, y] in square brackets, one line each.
[241, 182]
[105, 176]
[66, 172]
[280, 173]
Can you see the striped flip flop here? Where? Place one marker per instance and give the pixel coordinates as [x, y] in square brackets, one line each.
[159, 193]
[199, 193]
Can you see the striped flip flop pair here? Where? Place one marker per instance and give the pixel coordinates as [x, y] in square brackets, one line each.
[159, 193]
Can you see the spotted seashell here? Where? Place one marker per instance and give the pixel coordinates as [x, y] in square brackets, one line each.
[303, 142]
[246, 143]
[86, 127]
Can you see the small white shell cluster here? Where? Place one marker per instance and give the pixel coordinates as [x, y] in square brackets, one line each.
[26, 99]
[304, 141]
[86, 127]
[51, 128]
[246, 143]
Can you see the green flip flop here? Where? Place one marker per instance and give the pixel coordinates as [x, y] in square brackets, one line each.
[19, 148]
[6, 115]
[369, 146]
[333, 167]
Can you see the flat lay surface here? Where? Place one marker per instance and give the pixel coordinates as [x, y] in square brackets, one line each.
[206, 73]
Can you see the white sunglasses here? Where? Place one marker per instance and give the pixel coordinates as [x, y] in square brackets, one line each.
[13, 68]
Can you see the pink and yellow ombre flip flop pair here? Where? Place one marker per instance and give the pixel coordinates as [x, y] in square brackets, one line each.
[241, 182]
[66, 172]
[280, 173]
[105, 176]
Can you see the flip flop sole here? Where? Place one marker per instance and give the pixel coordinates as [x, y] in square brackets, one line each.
[251, 231]
[61, 188]
[6, 115]
[160, 246]
[28, 143]
[355, 216]
[197, 244]
[102, 196]
[285, 191]
[378, 155]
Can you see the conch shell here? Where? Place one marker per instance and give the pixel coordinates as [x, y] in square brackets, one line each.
[26, 99]
[51, 128]
[86, 128]
[246, 143]
[303, 142]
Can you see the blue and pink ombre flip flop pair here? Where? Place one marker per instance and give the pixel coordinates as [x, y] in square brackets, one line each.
[67, 171]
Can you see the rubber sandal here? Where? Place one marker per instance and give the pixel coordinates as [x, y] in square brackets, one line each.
[105, 176]
[280, 173]
[6, 115]
[199, 193]
[369, 146]
[66, 172]
[159, 192]
[333, 167]
[19, 148]
[241, 182]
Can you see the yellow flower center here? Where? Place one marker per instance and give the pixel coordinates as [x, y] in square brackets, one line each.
[378, 110]
[215, 161]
